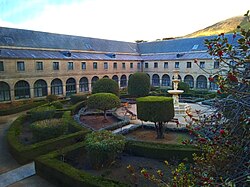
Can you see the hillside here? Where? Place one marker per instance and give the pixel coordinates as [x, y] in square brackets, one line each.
[226, 26]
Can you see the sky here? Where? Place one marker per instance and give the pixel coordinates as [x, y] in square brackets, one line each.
[122, 20]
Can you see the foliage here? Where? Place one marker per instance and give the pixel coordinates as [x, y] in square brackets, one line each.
[183, 86]
[139, 84]
[43, 112]
[106, 85]
[47, 129]
[156, 109]
[103, 147]
[51, 98]
[103, 101]
[75, 98]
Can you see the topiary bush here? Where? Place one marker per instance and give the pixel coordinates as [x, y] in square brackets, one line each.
[103, 101]
[75, 98]
[43, 112]
[103, 147]
[48, 128]
[183, 86]
[106, 85]
[157, 109]
[51, 98]
[139, 84]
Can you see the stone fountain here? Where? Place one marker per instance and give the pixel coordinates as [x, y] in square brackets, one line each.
[180, 108]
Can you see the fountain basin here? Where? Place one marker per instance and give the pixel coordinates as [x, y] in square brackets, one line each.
[174, 92]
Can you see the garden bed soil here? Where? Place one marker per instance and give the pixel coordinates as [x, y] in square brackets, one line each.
[97, 122]
[150, 136]
[118, 170]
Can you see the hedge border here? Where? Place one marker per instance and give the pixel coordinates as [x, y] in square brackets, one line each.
[26, 153]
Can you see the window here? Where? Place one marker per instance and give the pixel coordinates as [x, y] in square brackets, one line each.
[189, 64]
[156, 65]
[202, 64]
[216, 64]
[105, 65]
[83, 65]
[20, 66]
[131, 65]
[1, 66]
[146, 65]
[70, 66]
[94, 65]
[55, 65]
[39, 65]
[177, 65]
[165, 65]
[138, 65]
[115, 65]
[123, 65]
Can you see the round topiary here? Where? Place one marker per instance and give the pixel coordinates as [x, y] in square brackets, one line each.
[139, 84]
[47, 129]
[103, 101]
[157, 109]
[106, 85]
[103, 147]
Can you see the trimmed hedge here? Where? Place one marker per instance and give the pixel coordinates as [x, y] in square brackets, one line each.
[76, 98]
[21, 108]
[160, 151]
[106, 85]
[26, 153]
[62, 174]
[139, 84]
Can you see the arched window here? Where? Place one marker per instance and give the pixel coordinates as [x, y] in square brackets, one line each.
[56, 87]
[214, 85]
[4, 91]
[22, 90]
[165, 80]
[84, 85]
[123, 82]
[201, 82]
[93, 80]
[70, 86]
[40, 88]
[106, 76]
[189, 80]
[115, 78]
[155, 80]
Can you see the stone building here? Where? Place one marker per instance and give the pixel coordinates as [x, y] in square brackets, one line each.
[36, 64]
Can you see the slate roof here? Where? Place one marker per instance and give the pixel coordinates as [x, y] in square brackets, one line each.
[35, 39]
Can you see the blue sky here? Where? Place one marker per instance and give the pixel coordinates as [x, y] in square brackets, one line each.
[125, 20]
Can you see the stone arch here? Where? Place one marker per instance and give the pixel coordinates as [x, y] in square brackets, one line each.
[70, 86]
[40, 88]
[165, 80]
[93, 80]
[115, 78]
[123, 82]
[22, 90]
[189, 80]
[214, 85]
[84, 84]
[201, 82]
[56, 87]
[4, 91]
[155, 80]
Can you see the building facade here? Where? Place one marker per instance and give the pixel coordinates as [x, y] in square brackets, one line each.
[36, 64]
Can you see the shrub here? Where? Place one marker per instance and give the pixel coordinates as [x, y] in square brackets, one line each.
[103, 147]
[183, 86]
[103, 101]
[51, 98]
[43, 112]
[157, 109]
[47, 129]
[106, 85]
[75, 98]
[139, 84]
[57, 104]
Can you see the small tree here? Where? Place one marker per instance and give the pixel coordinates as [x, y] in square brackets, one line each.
[106, 85]
[139, 84]
[183, 86]
[156, 109]
[103, 101]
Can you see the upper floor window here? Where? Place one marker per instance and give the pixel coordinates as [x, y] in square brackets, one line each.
[189, 64]
[177, 65]
[1, 66]
[202, 64]
[105, 65]
[70, 66]
[131, 65]
[55, 65]
[216, 64]
[115, 65]
[123, 65]
[39, 65]
[165, 65]
[20, 66]
[146, 65]
[94, 65]
[138, 65]
[156, 65]
[83, 65]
